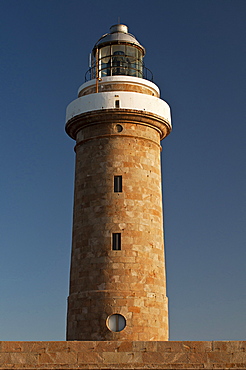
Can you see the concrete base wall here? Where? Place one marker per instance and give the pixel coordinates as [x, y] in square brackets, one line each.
[123, 355]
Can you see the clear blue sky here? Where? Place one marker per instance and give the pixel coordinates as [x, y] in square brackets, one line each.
[197, 53]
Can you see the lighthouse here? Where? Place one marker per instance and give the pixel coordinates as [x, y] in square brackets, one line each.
[117, 276]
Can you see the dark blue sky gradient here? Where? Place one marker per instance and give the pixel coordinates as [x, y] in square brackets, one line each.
[197, 53]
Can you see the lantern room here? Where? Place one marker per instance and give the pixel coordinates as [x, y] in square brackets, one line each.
[118, 53]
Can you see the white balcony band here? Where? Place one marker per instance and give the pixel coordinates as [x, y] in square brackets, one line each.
[127, 100]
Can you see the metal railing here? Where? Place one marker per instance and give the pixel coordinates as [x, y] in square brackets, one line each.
[119, 71]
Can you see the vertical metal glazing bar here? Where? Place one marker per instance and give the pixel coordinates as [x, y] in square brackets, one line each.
[111, 61]
[97, 70]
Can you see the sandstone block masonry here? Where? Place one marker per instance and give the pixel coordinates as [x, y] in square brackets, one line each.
[129, 280]
[154, 355]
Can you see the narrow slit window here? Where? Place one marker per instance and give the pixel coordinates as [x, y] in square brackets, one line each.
[117, 103]
[116, 242]
[118, 184]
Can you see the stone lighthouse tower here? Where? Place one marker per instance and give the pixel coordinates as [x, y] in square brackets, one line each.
[117, 278]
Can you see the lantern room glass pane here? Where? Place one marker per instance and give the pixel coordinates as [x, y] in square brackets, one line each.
[104, 66]
[105, 51]
[118, 48]
[120, 64]
[132, 52]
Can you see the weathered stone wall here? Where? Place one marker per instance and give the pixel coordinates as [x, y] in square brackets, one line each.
[102, 87]
[130, 281]
[123, 355]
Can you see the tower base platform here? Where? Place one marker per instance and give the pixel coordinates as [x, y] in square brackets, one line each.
[123, 355]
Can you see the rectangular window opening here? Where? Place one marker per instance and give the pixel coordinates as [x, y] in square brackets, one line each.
[117, 103]
[118, 184]
[116, 241]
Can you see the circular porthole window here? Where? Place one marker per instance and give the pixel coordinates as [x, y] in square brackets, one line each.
[116, 322]
[118, 128]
